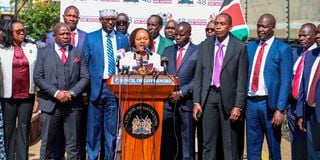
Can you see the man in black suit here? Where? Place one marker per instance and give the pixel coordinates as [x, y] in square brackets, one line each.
[178, 129]
[61, 74]
[220, 91]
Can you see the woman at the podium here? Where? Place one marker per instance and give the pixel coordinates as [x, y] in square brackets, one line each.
[141, 58]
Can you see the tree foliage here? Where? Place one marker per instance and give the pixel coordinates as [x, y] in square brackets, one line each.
[39, 18]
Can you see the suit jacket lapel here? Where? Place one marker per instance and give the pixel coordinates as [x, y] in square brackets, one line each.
[71, 58]
[229, 52]
[210, 48]
[188, 53]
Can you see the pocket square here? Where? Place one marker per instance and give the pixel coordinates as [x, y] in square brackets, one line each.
[76, 60]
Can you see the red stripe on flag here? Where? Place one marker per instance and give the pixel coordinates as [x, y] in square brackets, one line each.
[235, 12]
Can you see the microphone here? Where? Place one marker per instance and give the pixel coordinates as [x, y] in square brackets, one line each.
[132, 49]
[125, 69]
[199, 115]
[164, 64]
[118, 63]
[148, 50]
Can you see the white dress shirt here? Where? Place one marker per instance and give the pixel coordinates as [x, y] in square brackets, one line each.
[262, 88]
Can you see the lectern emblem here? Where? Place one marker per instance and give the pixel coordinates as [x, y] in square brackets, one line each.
[141, 121]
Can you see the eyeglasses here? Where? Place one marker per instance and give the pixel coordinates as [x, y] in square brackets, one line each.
[108, 19]
[72, 16]
[121, 23]
[210, 29]
[19, 31]
[170, 28]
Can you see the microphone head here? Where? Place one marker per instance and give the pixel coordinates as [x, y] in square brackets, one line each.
[132, 49]
[164, 60]
[148, 50]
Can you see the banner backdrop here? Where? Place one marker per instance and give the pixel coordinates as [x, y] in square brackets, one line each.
[196, 12]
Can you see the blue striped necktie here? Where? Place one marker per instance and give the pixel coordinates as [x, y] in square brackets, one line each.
[111, 62]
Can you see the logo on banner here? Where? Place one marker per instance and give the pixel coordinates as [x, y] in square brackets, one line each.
[141, 121]
[165, 17]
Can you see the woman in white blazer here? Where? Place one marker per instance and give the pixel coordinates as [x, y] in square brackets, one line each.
[17, 90]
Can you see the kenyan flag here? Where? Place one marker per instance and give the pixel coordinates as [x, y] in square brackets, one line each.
[240, 28]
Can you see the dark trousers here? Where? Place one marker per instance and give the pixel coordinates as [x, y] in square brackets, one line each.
[258, 124]
[216, 123]
[298, 138]
[313, 133]
[70, 119]
[102, 119]
[17, 141]
[177, 140]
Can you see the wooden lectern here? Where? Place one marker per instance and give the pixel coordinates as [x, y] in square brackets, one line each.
[141, 109]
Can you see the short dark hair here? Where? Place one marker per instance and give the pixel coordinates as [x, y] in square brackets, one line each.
[227, 15]
[133, 37]
[71, 7]
[159, 18]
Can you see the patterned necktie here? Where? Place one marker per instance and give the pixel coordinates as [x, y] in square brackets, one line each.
[217, 66]
[111, 61]
[179, 59]
[312, 91]
[297, 77]
[73, 41]
[63, 55]
[256, 71]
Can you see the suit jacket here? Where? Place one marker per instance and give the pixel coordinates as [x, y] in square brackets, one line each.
[233, 76]
[277, 72]
[6, 59]
[163, 43]
[185, 72]
[94, 54]
[45, 76]
[82, 35]
[303, 92]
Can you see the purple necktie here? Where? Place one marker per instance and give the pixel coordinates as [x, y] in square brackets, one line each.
[217, 66]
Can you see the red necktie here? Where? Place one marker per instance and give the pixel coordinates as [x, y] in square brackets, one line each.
[256, 71]
[312, 91]
[297, 77]
[179, 58]
[63, 55]
[73, 41]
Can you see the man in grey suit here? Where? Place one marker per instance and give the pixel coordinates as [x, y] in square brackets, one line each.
[220, 91]
[61, 74]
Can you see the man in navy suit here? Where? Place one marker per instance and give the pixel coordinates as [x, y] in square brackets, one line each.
[307, 35]
[71, 18]
[100, 50]
[61, 74]
[308, 107]
[270, 72]
[219, 91]
[178, 129]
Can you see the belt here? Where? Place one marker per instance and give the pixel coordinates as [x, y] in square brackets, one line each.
[214, 88]
[257, 97]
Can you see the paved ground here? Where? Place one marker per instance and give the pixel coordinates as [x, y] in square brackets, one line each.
[285, 150]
